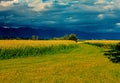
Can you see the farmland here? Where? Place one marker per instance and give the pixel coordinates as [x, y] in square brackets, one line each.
[70, 63]
[103, 41]
[24, 43]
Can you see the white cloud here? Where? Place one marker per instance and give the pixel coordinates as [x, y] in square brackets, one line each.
[109, 7]
[100, 2]
[38, 5]
[117, 4]
[71, 19]
[5, 26]
[8, 3]
[106, 15]
[48, 22]
[101, 16]
[117, 24]
[108, 4]
[103, 2]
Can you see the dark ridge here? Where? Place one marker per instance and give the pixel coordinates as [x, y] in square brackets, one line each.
[46, 33]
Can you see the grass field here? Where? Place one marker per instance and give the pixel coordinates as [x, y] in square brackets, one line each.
[23, 48]
[33, 43]
[83, 64]
[103, 41]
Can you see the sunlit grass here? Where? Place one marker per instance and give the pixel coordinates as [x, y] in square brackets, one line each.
[85, 64]
[24, 48]
[33, 43]
[103, 41]
[108, 44]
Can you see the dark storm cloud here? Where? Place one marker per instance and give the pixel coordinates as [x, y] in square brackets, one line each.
[83, 15]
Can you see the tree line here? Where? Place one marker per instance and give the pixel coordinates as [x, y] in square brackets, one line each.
[35, 37]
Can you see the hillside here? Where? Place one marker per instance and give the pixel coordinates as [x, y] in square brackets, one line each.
[45, 33]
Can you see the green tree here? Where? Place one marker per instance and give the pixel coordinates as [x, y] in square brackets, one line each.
[66, 37]
[73, 37]
[34, 37]
[70, 37]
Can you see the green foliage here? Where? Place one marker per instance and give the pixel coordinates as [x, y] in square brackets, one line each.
[34, 37]
[70, 37]
[117, 47]
[102, 45]
[67, 37]
[73, 37]
[56, 38]
[8, 53]
[114, 53]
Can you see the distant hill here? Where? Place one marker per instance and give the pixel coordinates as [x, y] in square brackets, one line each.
[27, 32]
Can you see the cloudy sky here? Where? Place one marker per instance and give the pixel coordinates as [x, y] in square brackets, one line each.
[82, 15]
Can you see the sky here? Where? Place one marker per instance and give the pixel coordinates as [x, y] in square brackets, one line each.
[80, 15]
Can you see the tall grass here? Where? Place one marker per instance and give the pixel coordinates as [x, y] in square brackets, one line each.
[108, 44]
[33, 43]
[103, 41]
[7, 53]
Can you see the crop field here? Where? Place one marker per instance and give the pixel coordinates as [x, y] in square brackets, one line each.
[23, 48]
[55, 61]
[33, 43]
[103, 41]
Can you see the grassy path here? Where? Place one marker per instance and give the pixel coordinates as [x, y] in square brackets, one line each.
[86, 64]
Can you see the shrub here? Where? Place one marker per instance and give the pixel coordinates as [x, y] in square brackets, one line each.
[114, 53]
[73, 37]
[70, 37]
[34, 37]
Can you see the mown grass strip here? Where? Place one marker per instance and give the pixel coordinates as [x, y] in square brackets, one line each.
[112, 51]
